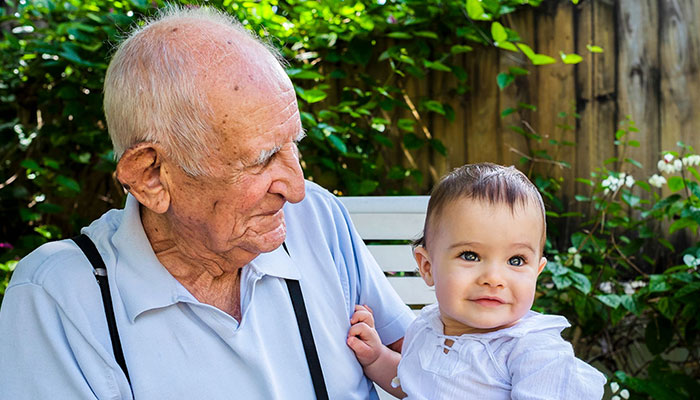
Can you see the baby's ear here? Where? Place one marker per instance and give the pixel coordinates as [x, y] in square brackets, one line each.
[425, 267]
[543, 262]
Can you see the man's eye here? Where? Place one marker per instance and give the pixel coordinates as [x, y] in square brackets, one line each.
[516, 261]
[469, 256]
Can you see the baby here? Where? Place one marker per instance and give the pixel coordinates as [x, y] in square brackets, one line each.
[482, 251]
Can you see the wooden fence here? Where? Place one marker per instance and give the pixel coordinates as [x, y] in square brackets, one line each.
[649, 70]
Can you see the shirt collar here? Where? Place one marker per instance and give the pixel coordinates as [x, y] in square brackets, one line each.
[144, 283]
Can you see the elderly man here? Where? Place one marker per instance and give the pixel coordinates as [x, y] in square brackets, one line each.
[205, 124]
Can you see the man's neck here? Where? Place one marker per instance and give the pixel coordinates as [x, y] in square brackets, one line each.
[211, 278]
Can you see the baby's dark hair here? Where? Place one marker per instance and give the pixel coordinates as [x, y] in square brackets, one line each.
[484, 182]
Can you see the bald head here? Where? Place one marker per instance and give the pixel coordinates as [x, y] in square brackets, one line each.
[161, 79]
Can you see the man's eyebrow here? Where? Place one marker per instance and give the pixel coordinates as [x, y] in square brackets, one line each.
[267, 154]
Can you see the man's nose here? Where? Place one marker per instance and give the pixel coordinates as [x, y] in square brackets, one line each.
[289, 182]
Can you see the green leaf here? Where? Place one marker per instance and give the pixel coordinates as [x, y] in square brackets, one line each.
[311, 95]
[27, 215]
[435, 106]
[411, 141]
[515, 71]
[561, 281]
[630, 303]
[506, 46]
[298, 73]
[338, 143]
[675, 183]
[666, 244]
[541, 59]
[581, 282]
[529, 53]
[498, 32]
[68, 183]
[610, 300]
[658, 334]
[406, 124]
[570, 58]
[438, 146]
[436, 65]
[694, 172]
[503, 79]
[30, 164]
[657, 283]
[426, 34]
[594, 49]
[507, 112]
[367, 187]
[682, 224]
[400, 35]
[634, 162]
[460, 48]
[476, 11]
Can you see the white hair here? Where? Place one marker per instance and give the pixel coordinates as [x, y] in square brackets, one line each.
[152, 87]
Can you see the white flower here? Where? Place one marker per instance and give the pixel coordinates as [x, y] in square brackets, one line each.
[614, 386]
[625, 394]
[669, 165]
[610, 184]
[629, 181]
[607, 287]
[615, 398]
[691, 160]
[657, 181]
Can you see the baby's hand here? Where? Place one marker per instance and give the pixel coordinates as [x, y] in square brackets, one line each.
[363, 339]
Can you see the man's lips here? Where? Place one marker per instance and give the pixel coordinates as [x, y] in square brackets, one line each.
[489, 301]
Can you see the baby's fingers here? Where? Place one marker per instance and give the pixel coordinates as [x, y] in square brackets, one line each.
[362, 314]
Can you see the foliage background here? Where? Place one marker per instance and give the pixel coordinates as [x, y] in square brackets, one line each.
[631, 295]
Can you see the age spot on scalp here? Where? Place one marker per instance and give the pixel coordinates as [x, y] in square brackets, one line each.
[174, 29]
[235, 87]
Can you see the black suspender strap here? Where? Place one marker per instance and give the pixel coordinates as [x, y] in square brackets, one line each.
[90, 251]
[307, 337]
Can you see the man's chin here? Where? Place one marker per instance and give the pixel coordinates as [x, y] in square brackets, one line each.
[270, 241]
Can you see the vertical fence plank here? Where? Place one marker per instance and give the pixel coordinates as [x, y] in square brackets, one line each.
[482, 113]
[595, 78]
[513, 144]
[555, 85]
[680, 77]
[638, 80]
[452, 134]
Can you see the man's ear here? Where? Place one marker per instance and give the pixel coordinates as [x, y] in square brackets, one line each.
[424, 265]
[139, 170]
[543, 262]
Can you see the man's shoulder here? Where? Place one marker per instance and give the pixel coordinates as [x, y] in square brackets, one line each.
[40, 264]
[62, 262]
[318, 201]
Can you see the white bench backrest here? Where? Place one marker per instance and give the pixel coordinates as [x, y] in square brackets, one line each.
[383, 220]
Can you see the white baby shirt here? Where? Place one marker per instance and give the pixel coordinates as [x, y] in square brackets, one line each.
[529, 360]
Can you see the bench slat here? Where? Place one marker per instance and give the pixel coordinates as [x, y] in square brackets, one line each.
[393, 257]
[393, 226]
[413, 290]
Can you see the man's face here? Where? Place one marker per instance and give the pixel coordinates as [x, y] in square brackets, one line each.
[255, 169]
[485, 259]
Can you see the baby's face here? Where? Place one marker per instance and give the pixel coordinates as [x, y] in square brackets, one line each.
[483, 260]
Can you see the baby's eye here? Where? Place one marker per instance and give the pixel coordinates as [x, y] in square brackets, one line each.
[516, 261]
[469, 256]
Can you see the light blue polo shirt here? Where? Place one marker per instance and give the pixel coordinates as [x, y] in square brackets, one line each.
[54, 341]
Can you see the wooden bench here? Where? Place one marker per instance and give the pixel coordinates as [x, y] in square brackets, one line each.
[388, 224]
